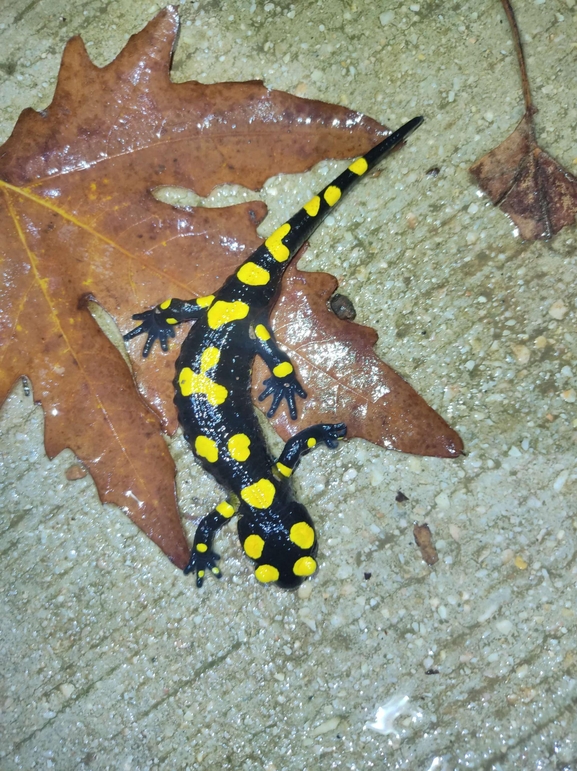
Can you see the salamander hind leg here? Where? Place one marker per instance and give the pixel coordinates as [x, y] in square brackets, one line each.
[202, 558]
[306, 440]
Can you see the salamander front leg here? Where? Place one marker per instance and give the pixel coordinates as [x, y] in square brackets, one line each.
[202, 557]
[158, 323]
[283, 382]
[304, 441]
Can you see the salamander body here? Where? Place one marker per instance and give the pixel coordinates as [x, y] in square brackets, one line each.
[212, 396]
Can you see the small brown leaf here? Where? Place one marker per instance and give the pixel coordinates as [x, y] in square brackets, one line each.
[537, 193]
[424, 540]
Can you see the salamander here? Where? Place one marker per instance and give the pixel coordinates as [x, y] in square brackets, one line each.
[212, 395]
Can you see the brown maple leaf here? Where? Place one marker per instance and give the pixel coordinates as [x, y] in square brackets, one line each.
[529, 185]
[78, 221]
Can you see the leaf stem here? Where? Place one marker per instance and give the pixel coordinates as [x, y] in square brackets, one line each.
[520, 58]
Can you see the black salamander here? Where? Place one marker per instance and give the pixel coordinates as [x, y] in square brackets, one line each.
[212, 385]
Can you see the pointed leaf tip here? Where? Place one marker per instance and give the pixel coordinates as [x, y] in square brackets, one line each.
[155, 42]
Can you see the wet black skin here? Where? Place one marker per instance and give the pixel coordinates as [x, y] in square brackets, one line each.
[285, 558]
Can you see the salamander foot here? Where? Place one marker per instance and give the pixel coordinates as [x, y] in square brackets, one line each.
[200, 562]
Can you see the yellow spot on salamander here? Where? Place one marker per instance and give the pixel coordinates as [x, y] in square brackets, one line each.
[262, 332]
[259, 495]
[225, 509]
[210, 358]
[238, 447]
[201, 573]
[206, 301]
[311, 442]
[332, 195]
[201, 547]
[283, 369]
[274, 244]
[284, 470]
[313, 206]
[171, 321]
[252, 274]
[305, 566]
[302, 534]
[253, 546]
[206, 448]
[191, 383]
[223, 312]
[266, 573]
[359, 166]
[166, 304]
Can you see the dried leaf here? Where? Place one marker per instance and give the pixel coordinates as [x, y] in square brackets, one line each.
[424, 540]
[537, 193]
[78, 222]
[344, 378]
[525, 182]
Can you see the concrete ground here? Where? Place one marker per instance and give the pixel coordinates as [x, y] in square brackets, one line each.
[111, 659]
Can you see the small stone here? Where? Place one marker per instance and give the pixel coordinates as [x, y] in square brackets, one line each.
[559, 483]
[386, 17]
[305, 590]
[522, 670]
[540, 342]
[521, 353]
[442, 501]
[504, 626]
[455, 532]
[76, 471]
[67, 689]
[506, 557]
[489, 611]
[344, 572]
[520, 563]
[411, 220]
[324, 728]
[558, 310]
[376, 477]
[569, 395]
[350, 474]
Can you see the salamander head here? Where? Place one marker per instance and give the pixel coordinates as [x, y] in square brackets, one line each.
[284, 547]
